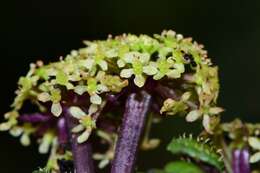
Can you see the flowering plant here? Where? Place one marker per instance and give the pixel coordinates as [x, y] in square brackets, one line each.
[106, 93]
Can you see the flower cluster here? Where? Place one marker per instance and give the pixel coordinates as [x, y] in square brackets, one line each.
[106, 67]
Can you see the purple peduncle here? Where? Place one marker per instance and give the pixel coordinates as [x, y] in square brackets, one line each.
[137, 106]
[240, 161]
[82, 153]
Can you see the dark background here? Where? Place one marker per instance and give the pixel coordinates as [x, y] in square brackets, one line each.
[42, 29]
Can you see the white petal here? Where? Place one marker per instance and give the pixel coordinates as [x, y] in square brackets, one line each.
[128, 57]
[170, 33]
[126, 73]
[25, 140]
[80, 89]
[158, 76]
[69, 86]
[150, 70]
[179, 37]
[206, 123]
[84, 136]
[144, 58]
[150, 144]
[76, 112]
[98, 156]
[44, 147]
[111, 53]
[254, 142]
[102, 88]
[215, 110]
[92, 109]
[103, 163]
[95, 99]
[193, 115]
[5, 126]
[186, 96]
[103, 65]
[46, 142]
[89, 63]
[16, 131]
[56, 109]
[77, 128]
[139, 80]
[44, 97]
[179, 67]
[255, 157]
[174, 74]
[74, 53]
[120, 63]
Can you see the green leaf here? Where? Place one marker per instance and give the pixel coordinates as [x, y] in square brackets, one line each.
[197, 150]
[182, 167]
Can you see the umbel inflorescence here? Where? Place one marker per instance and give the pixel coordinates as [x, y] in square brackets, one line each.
[93, 84]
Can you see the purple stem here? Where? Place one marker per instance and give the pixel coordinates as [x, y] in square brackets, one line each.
[235, 161]
[244, 161]
[62, 131]
[82, 153]
[165, 92]
[136, 108]
[34, 118]
[240, 161]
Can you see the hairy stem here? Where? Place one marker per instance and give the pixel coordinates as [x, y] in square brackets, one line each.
[226, 155]
[82, 153]
[136, 108]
